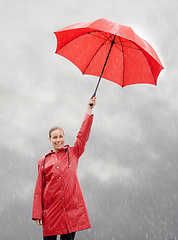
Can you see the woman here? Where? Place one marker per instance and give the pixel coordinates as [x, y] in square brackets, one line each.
[58, 202]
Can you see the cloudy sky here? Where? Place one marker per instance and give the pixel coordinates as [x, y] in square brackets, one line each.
[129, 170]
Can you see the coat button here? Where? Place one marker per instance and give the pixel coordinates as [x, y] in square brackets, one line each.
[62, 198]
[59, 177]
[57, 167]
[61, 187]
[64, 208]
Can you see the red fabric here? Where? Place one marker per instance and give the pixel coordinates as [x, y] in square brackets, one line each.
[64, 208]
[132, 60]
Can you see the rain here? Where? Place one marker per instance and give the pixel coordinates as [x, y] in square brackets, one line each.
[128, 172]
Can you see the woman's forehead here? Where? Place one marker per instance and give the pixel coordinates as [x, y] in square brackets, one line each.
[57, 132]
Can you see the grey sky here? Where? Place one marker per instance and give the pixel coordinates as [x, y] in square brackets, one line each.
[129, 170]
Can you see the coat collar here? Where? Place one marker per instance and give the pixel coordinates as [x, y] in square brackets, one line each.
[52, 151]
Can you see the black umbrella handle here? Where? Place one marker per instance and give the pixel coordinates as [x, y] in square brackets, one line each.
[94, 94]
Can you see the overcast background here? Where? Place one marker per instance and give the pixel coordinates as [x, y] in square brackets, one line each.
[129, 170]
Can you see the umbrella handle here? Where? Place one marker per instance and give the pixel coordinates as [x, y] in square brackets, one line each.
[94, 94]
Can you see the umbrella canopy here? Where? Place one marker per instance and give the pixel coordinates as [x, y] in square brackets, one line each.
[109, 50]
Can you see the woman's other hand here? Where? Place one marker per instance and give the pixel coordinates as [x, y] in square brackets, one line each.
[39, 222]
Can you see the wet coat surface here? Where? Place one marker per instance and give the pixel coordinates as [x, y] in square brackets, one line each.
[58, 198]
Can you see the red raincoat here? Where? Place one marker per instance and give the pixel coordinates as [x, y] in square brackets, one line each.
[58, 198]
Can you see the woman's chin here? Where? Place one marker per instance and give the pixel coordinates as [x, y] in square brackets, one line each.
[58, 148]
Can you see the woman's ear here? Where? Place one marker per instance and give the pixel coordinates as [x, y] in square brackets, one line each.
[49, 139]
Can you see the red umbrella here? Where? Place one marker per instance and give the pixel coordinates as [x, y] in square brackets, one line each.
[109, 50]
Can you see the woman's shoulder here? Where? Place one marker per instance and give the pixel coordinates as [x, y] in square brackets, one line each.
[40, 161]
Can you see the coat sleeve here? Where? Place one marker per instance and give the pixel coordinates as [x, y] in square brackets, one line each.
[83, 135]
[38, 194]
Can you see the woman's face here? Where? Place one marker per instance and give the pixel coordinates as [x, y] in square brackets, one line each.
[57, 139]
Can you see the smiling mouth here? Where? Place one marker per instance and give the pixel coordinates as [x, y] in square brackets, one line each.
[58, 144]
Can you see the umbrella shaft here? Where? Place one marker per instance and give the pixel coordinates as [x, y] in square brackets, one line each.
[94, 94]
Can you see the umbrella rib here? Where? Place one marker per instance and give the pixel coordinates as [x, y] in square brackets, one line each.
[105, 37]
[123, 62]
[127, 46]
[97, 36]
[131, 47]
[147, 62]
[74, 39]
[118, 44]
[150, 68]
[125, 41]
[118, 48]
[139, 49]
[96, 53]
